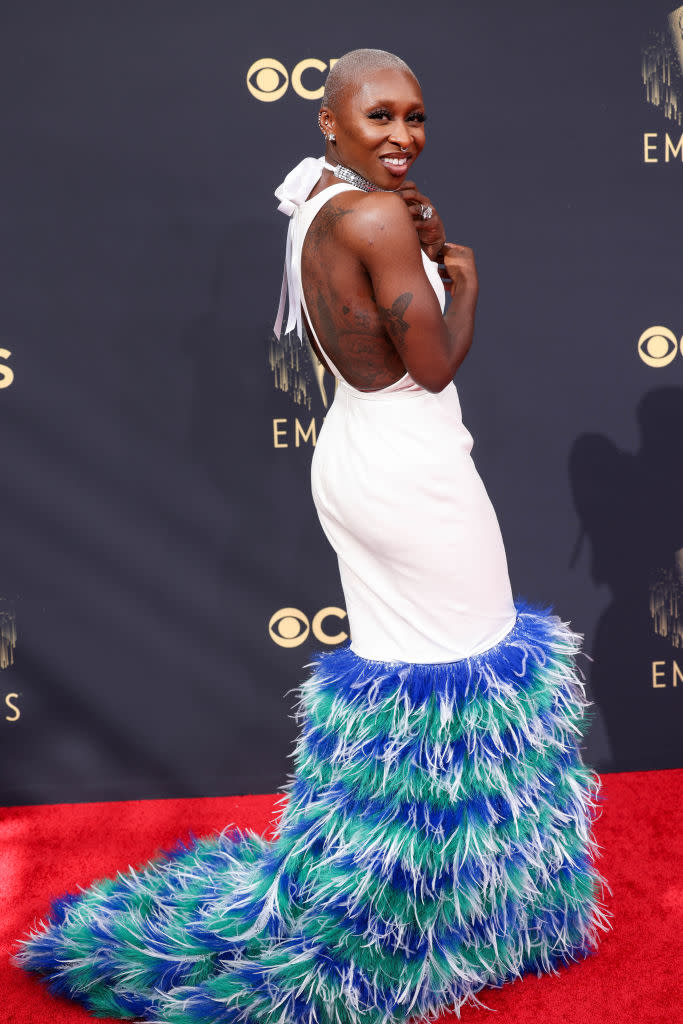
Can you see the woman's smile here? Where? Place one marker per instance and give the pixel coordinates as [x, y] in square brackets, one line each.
[396, 164]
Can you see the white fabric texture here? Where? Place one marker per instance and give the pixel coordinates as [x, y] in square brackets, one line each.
[421, 557]
[292, 194]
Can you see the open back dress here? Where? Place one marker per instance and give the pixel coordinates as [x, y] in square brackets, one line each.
[436, 833]
[421, 557]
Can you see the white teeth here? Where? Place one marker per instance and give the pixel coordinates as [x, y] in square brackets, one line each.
[397, 161]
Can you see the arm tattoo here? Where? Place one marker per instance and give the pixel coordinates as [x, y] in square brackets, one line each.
[394, 320]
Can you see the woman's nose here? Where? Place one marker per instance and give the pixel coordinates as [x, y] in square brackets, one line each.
[401, 136]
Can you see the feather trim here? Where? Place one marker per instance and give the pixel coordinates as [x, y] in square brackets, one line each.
[435, 838]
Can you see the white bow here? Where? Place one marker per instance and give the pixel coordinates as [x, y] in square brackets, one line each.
[292, 193]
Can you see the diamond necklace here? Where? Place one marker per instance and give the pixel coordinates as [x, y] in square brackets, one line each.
[354, 178]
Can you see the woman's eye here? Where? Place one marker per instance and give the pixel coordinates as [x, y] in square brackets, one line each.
[378, 115]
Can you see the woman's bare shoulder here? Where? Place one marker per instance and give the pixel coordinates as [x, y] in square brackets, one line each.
[378, 217]
[373, 205]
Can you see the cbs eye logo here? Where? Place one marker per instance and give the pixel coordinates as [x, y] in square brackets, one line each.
[268, 79]
[289, 627]
[658, 346]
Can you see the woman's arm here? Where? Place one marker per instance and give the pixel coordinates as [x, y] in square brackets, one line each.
[432, 346]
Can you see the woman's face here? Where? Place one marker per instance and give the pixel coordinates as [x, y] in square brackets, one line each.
[373, 121]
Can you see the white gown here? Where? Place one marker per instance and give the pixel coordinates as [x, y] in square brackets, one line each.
[421, 557]
[436, 837]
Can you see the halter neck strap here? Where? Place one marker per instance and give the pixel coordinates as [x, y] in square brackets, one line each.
[292, 193]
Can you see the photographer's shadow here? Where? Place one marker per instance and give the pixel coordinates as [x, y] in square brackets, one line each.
[631, 511]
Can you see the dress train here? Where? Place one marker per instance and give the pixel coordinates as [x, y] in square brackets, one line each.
[436, 839]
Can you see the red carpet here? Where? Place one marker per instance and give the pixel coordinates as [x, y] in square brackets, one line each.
[634, 978]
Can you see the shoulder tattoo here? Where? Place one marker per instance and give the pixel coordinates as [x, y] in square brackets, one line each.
[325, 222]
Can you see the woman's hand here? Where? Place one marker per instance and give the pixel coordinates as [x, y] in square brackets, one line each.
[430, 232]
[457, 268]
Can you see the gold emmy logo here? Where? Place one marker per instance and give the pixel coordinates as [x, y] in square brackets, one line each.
[8, 641]
[675, 21]
[284, 432]
[8, 632]
[651, 148]
[664, 677]
[290, 627]
[6, 372]
[298, 371]
[268, 79]
[661, 72]
[657, 346]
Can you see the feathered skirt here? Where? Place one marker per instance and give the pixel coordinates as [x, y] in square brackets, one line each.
[436, 838]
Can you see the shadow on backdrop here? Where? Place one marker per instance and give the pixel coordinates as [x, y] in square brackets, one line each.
[630, 506]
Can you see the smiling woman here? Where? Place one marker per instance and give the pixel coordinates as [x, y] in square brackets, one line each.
[380, 107]
[436, 837]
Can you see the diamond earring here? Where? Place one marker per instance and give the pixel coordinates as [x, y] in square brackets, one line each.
[328, 138]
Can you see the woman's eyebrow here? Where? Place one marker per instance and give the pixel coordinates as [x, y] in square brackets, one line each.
[392, 103]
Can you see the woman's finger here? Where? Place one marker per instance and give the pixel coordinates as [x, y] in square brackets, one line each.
[411, 192]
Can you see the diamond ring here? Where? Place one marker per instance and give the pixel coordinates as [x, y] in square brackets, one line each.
[425, 211]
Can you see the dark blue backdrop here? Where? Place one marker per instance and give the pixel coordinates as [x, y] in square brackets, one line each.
[156, 509]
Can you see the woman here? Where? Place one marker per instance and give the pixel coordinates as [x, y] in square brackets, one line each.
[437, 832]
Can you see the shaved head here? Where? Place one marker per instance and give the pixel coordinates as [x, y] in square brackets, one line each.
[352, 69]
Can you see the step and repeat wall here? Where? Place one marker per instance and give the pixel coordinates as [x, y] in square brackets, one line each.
[164, 581]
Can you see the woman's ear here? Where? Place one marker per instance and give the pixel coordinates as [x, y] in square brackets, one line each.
[326, 122]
